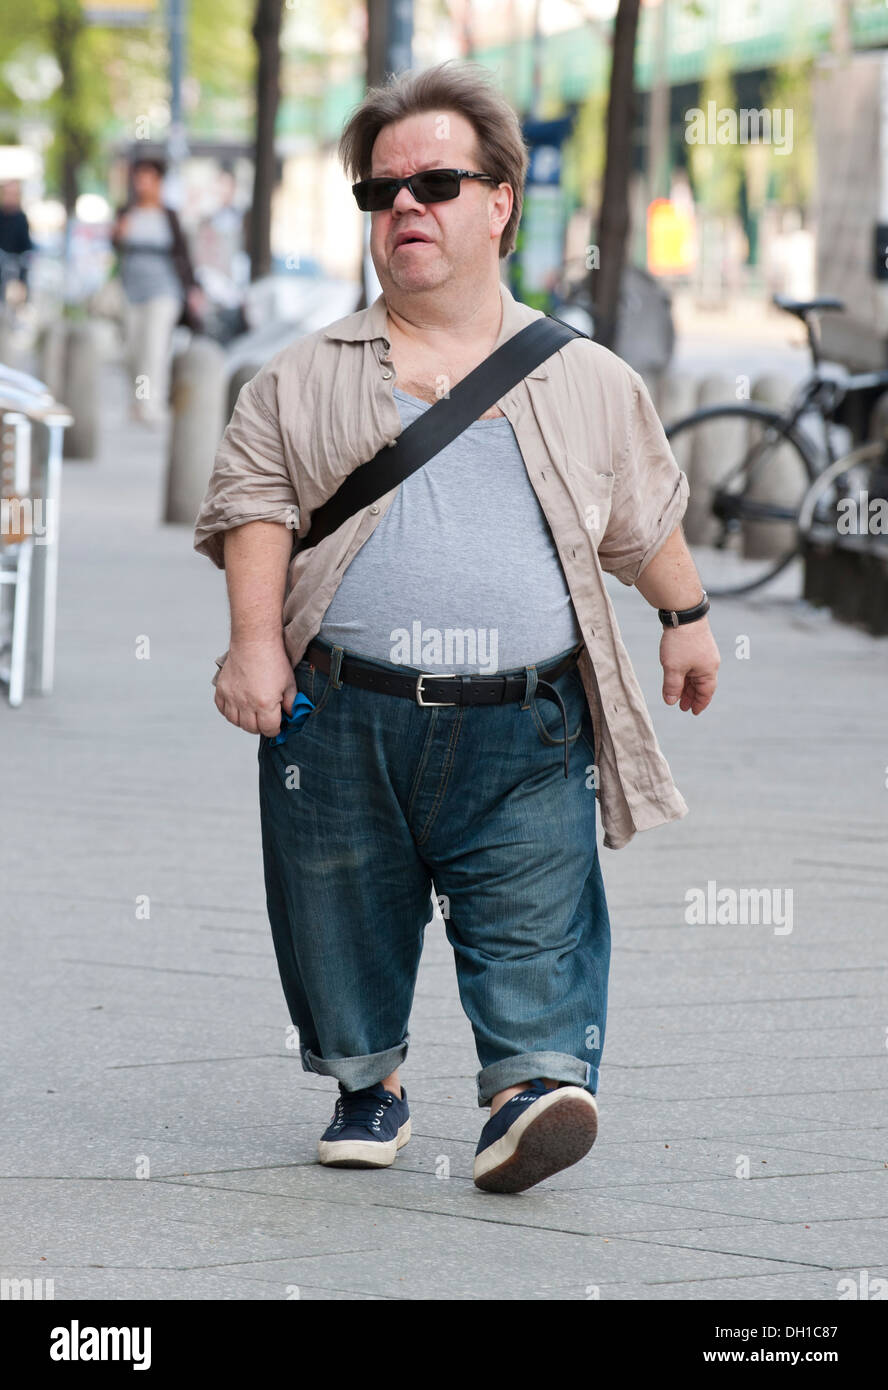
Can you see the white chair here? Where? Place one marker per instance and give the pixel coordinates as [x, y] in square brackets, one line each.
[16, 545]
[25, 403]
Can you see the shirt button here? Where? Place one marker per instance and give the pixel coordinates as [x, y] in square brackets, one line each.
[373, 508]
[387, 374]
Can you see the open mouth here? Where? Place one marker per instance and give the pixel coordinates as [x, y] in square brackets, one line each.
[413, 241]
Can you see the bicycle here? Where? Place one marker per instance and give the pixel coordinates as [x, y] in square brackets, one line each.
[760, 484]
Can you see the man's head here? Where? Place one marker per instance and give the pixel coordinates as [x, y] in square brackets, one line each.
[147, 178]
[227, 187]
[11, 196]
[447, 117]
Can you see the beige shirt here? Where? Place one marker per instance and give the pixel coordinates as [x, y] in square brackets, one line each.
[596, 456]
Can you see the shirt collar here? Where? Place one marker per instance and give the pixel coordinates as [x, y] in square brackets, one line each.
[370, 323]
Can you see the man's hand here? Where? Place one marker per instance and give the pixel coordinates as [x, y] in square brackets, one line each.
[688, 654]
[255, 684]
[690, 660]
[257, 680]
[197, 301]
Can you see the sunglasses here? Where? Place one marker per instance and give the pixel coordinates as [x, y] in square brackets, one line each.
[430, 186]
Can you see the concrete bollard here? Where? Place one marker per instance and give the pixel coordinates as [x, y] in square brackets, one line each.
[878, 428]
[715, 448]
[51, 355]
[69, 365]
[877, 587]
[11, 353]
[238, 379]
[781, 480]
[675, 399]
[198, 419]
[850, 579]
[817, 554]
[676, 396]
[80, 390]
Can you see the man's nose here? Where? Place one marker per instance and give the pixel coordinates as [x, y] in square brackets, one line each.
[405, 201]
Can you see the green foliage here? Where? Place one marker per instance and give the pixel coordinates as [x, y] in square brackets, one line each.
[583, 154]
[118, 76]
[791, 181]
[716, 170]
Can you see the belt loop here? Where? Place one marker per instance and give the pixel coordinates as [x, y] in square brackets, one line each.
[530, 685]
[335, 665]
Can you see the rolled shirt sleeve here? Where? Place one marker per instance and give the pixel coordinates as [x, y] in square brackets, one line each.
[650, 493]
[251, 478]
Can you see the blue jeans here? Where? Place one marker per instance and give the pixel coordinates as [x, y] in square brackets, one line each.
[372, 800]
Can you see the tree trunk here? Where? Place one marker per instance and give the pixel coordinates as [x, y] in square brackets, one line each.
[66, 24]
[267, 34]
[613, 222]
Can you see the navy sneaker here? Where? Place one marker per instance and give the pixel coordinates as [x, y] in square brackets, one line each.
[367, 1129]
[535, 1134]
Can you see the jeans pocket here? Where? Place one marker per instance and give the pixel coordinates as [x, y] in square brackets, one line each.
[316, 686]
[547, 716]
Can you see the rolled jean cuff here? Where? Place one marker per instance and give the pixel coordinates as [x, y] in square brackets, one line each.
[526, 1066]
[357, 1072]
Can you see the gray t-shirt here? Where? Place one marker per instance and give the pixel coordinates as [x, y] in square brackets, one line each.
[146, 268]
[461, 574]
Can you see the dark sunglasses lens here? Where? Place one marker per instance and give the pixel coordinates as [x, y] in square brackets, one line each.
[432, 186]
[375, 194]
[436, 185]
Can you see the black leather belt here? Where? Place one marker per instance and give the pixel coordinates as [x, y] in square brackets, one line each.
[427, 689]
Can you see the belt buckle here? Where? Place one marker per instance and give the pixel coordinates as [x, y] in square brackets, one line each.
[436, 675]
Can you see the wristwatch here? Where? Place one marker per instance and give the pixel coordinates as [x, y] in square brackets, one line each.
[677, 617]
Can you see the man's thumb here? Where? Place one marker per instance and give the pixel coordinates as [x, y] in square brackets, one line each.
[673, 684]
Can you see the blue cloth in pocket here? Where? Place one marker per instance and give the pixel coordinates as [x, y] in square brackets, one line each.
[302, 705]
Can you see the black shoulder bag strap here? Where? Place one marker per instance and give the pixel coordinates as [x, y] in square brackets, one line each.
[435, 428]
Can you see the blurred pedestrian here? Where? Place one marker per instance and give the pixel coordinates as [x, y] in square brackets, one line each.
[159, 285]
[15, 236]
[222, 234]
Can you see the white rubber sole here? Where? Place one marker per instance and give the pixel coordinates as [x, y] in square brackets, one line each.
[554, 1132]
[362, 1153]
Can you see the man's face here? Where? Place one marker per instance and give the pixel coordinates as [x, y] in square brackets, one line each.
[462, 234]
[11, 197]
[146, 181]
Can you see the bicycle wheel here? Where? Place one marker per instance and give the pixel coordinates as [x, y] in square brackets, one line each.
[843, 530]
[839, 499]
[748, 472]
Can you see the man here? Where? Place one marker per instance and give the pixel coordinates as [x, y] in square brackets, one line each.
[487, 560]
[15, 237]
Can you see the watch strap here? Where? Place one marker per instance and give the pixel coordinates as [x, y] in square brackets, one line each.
[677, 617]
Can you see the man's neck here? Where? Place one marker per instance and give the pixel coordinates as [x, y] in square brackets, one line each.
[432, 321]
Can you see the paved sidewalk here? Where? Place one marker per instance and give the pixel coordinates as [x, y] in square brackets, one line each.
[159, 1137]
